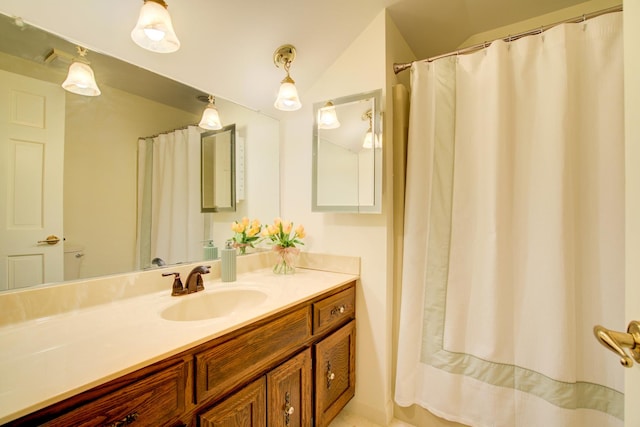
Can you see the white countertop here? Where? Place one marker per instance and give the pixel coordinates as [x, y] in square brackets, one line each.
[45, 360]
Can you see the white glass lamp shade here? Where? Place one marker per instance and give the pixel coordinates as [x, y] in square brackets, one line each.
[327, 117]
[154, 30]
[210, 118]
[288, 99]
[371, 140]
[80, 80]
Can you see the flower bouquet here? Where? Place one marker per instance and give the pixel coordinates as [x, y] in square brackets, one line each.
[284, 239]
[247, 233]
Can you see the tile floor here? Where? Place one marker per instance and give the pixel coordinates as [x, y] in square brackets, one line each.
[345, 419]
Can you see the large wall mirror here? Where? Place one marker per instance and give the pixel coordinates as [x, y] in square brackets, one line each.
[94, 184]
[218, 170]
[347, 154]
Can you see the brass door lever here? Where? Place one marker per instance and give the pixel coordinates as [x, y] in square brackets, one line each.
[618, 341]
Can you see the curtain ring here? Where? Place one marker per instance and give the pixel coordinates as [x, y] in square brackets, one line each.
[542, 32]
[584, 22]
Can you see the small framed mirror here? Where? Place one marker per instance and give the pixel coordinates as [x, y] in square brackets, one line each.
[347, 154]
[218, 170]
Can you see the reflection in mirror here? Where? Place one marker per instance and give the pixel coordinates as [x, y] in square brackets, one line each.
[218, 171]
[94, 186]
[347, 154]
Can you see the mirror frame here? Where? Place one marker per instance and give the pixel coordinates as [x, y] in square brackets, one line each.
[231, 129]
[376, 207]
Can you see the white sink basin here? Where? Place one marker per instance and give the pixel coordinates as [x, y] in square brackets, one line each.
[210, 305]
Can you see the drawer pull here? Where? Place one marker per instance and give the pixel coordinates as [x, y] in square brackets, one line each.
[125, 421]
[330, 375]
[338, 309]
[288, 409]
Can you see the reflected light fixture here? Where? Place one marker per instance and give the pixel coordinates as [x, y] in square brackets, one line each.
[154, 30]
[370, 138]
[80, 79]
[327, 117]
[210, 116]
[288, 99]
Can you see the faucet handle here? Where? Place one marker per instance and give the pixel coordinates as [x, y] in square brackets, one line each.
[177, 288]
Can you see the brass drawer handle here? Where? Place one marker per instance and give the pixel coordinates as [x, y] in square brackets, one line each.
[125, 421]
[288, 409]
[340, 309]
[330, 375]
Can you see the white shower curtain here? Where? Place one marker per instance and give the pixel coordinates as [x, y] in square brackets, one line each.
[170, 224]
[514, 232]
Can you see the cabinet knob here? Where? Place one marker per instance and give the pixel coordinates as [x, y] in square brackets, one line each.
[330, 375]
[338, 309]
[288, 409]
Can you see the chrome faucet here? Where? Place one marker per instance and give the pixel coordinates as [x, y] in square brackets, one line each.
[194, 281]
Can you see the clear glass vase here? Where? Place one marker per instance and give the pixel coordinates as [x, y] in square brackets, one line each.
[287, 259]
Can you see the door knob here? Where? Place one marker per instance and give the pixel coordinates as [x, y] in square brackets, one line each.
[50, 240]
[618, 341]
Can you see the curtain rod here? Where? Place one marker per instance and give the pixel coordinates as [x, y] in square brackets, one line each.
[167, 132]
[399, 67]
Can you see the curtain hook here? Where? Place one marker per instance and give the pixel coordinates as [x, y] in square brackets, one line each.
[542, 32]
[584, 22]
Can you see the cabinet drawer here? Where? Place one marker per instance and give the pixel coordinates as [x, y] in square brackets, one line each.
[335, 374]
[153, 401]
[334, 310]
[236, 361]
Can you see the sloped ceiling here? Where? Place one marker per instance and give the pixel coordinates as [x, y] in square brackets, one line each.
[227, 46]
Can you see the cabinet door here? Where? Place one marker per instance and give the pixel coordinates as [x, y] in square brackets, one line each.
[246, 408]
[289, 392]
[335, 375]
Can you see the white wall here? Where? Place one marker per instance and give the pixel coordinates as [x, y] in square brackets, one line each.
[359, 69]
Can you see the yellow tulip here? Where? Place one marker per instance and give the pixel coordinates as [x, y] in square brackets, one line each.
[286, 227]
[277, 221]
[300, 231]
[245, 221]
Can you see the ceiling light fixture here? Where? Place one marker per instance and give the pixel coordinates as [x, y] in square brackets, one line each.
[371, 139]
[327, 117]
[80, 79]
[154, 30]
[210, 116]
[288, 99]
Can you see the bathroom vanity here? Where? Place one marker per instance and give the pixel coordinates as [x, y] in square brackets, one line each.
[288, 361]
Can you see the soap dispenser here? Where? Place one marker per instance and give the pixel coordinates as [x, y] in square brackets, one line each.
[228, 262]
[210, 250]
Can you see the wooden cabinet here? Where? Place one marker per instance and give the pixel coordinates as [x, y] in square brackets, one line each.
[159, 399]
[290, 393]
[246, 408]
[335, 375]
[295, 368]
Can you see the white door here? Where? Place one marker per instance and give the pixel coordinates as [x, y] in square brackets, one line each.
[32, 116]
[632, 235]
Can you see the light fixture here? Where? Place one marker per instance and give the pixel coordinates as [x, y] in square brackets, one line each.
[327, 117]
[288, 99]
[80, 79]
[371, 139]
[210, 116]
[154, 30]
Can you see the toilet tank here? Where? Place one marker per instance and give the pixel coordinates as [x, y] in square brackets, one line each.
[73, 256]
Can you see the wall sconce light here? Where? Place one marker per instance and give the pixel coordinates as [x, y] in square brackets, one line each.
[80, 78]
[371, 139]
[288, 99]
[210, 116]
[154, 30]
[327, 117]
